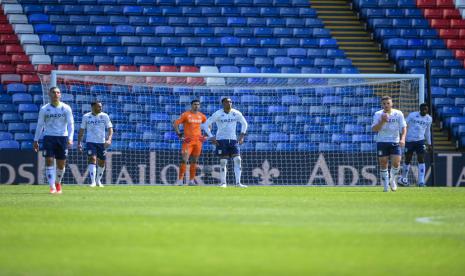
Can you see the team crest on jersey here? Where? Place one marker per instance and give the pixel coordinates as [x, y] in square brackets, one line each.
[89, 152]
[380, 152]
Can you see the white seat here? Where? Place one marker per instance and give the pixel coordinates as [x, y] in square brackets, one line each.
[12, 9]
[29, 39]
[34, 49]
[212, 81]
[23, 28]
[17, 19]
[40, 59]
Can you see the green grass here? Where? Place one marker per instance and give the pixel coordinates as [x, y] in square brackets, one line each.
[134, 230]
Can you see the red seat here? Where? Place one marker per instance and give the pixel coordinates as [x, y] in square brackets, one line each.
[87, 67]
[451, 14]
[195, 81]
[460, 54]
[128, 68]
[462, 33]
[107, 67]
[9, 39]
[25, 69]
[168, 68]
[445, 3]
[7, 69]
[154, 80]
[2, 49]
[192, 69]
[440, 23]
[67, 67]
[14, 49]
[457, 23]
[176, 80]
[30, 79]
[20, 59]
[6, 29]
[5, 59]
[426, 3]
[455, 43]
[148, 68]
[45, 68]
[449, 33]
[3, 19]
[432, 13]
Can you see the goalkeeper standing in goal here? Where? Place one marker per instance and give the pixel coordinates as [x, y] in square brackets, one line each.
[226, 140]
[192, 140]
[95, 123]
[57, 122]
[418, 131]
[388, 123]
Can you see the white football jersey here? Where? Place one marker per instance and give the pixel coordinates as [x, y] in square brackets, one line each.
[419, 127]
[226, 123]
[55, 121]
[96, 126]
[390, 132]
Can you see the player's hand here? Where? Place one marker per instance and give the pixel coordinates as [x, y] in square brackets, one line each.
[213, 141]
[241, 140]
[36, 146]
[429, 148]
[384, 117]
[107, 144]
[80, 147]
[402, 143]
[70, 144]
[180, 135]
[187, 140]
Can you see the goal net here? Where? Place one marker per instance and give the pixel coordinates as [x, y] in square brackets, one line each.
[304, 129]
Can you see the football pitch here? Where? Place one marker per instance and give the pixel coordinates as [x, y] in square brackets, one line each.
[154, 230]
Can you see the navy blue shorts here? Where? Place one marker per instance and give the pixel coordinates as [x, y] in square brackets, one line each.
[386, 149]
[227, 147]
[56, 147]
[417, 146]
[96, 149]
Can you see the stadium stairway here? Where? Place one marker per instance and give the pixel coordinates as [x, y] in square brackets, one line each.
[352, 36]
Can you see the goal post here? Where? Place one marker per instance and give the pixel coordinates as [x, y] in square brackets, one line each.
[304, 129]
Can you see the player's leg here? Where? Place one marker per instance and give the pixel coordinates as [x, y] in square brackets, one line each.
[406, 167]
[222, 152]
[383, 159]
[49, 155]
[235, 153]
[194, 158]
[185, 153]
[61, 153]
[396, 156]
[421, 150]
[101, 157]
[92, 162]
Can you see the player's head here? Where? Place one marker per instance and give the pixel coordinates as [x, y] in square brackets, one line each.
[96, 107]
[227, 103]
[195, 105]
[54, 94]
[386, 102]
[424, 109]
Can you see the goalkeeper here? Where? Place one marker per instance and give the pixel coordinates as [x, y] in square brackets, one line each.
[192, 140]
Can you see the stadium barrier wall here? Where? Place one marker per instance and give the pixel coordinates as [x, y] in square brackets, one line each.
[27, 167]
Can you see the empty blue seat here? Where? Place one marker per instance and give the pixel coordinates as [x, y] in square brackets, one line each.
[289, 42]
[49, 39]
[203, 61]
[230, 41]
[19, 98]
[163, 60]
[9, 144]
[17, 127]
[224, 61]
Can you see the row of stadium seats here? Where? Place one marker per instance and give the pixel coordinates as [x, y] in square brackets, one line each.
[238, 3]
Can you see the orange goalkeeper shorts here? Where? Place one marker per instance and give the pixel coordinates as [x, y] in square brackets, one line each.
[192, 148]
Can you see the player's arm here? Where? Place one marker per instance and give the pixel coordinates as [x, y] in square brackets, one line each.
[70, 126]
[378, 123]
[428, 136]
[176, 124]
[109, 127]
[244, 127]
[39, 128]
[80, 135]
[403, 131]
[109, 138]
[207, 128]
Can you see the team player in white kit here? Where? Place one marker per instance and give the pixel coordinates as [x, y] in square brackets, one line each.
[99, 131]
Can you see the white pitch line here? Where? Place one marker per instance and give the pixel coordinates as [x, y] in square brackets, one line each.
[426, 220]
